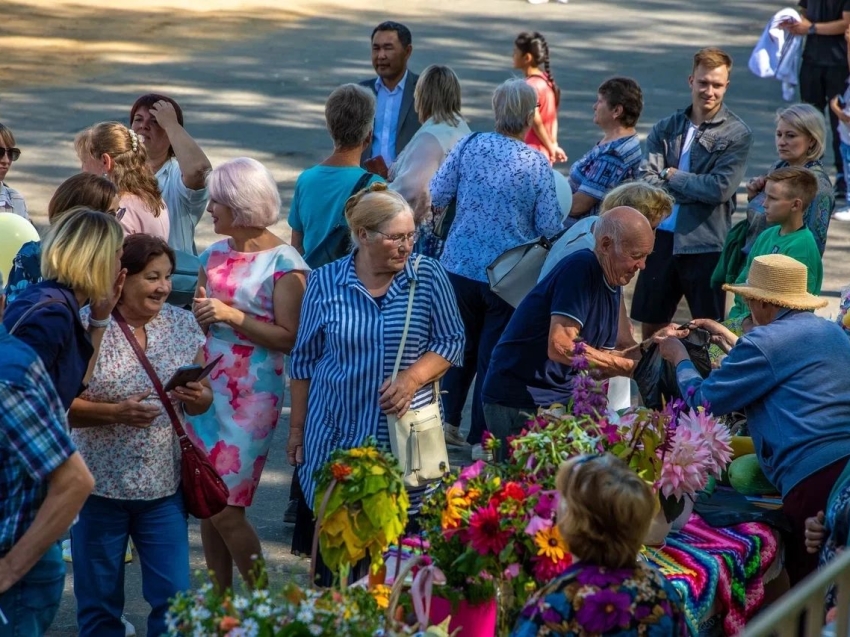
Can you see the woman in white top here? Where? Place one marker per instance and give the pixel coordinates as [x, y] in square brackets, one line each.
[179, 164]
[118, 153]
[437, 102]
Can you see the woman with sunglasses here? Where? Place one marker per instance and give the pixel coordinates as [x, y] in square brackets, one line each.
[10, 199]
[352, 321]
[80, 191]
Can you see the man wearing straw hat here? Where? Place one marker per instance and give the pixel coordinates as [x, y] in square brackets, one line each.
[789, 375]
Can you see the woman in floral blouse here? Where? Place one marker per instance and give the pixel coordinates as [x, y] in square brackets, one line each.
[126, 438]
[606, 510]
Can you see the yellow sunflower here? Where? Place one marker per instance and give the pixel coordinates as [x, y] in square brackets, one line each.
[550, 544]
[455, 503]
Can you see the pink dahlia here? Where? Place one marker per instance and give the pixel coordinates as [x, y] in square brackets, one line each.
[485, 531]
[685, 465]
[717, 437]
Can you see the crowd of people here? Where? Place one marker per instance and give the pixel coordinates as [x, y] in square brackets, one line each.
[408, 195]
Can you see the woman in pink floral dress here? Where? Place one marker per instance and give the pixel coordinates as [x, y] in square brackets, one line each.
[249, 303]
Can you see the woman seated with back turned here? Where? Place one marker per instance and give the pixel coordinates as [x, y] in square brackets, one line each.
[605, 513]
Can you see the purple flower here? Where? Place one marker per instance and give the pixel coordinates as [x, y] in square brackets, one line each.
[601, 577]
[551, 616]
[588, 398]
[605, 610]
[579, 347]
[642, 612]
[473, 470]
[547, 504]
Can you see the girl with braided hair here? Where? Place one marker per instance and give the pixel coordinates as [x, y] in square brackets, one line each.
[531, 56]
[118, 153]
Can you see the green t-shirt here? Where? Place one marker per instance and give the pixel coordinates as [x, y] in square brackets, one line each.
[798, 245]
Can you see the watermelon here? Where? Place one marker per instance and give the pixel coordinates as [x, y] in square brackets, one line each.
[747, 478]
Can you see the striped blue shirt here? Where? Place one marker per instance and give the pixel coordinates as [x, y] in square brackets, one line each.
[347, 345]
[34, 438]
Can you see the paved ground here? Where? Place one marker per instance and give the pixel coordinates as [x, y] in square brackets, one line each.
[252, 78]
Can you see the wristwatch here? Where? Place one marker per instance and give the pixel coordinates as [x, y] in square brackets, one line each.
[664, 173]
[812, 29]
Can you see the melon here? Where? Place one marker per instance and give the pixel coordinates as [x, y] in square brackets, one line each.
[747, 478]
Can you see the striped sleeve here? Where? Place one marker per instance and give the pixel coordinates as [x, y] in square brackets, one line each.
[309, 344]
[447, 333]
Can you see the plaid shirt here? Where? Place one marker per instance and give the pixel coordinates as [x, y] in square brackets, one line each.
[34, 439]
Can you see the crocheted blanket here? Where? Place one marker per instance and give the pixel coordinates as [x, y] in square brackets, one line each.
[718, 569]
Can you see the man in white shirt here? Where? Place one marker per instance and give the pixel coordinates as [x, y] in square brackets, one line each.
[395, 118]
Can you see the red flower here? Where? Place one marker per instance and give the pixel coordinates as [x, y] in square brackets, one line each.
[340, 471]
[510, 491]
[545, 569]
[485, 532]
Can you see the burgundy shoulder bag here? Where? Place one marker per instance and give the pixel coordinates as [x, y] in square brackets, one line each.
[204, 492]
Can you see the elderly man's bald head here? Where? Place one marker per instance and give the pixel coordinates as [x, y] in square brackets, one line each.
[622, 224]
[624, 238]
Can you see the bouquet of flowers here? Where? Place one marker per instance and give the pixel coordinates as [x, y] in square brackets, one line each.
[493, 536]
[365, 506]
[292, 612]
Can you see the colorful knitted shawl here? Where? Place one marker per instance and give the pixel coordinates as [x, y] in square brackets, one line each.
[717, 570]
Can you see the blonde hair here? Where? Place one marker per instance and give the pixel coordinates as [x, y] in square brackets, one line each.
[712, 58]
[130, 171]
[652, 202]
[6, 136]
[79, 251]
[372, 207]
[806, 120]
[607, 510]
[437, 95]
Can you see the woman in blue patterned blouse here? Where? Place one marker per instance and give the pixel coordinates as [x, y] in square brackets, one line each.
[352, 320]
[606, 510]
[505, 196]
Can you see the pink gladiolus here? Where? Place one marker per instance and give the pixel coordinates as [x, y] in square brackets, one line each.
[472, 471]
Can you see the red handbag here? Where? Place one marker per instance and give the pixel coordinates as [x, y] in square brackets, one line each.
[204, 492]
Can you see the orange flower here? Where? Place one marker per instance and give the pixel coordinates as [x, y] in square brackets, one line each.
[455, 503]
[228, 623]
[340, 471]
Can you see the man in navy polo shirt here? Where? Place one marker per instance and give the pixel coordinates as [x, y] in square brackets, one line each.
[44, 483]
[578, 300]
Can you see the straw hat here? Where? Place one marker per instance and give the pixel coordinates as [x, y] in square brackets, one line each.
[780, 280]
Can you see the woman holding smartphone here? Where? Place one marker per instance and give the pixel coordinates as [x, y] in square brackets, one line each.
[128, 442]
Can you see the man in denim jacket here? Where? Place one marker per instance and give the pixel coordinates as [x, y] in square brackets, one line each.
[699, 155]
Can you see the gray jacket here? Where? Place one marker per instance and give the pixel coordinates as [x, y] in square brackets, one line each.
[706, 193]
[408, 120]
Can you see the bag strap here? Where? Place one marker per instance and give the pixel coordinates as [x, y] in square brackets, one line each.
[157, 384]
[31, 310]
[361, 183]
[406, 319]
[401, 345]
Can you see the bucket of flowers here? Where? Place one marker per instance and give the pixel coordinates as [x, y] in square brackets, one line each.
[362, 509]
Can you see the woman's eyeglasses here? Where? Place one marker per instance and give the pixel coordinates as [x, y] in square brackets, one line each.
[12, 153]
[399, 239]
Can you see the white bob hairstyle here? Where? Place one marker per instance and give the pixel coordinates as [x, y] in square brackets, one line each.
[248, 188]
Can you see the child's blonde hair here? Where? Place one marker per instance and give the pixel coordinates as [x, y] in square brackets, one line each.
[652, 202]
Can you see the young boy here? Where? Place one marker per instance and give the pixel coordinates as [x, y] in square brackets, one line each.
[789, 191]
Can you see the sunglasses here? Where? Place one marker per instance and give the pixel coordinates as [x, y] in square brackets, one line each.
[12, 153]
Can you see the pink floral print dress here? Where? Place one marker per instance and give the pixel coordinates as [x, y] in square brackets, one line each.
[248, 383]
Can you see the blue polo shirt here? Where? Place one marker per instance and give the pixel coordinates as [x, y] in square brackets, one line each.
[521, 375]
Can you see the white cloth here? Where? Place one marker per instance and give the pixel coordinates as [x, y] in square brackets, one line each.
[578, 237]
[185, 206]
[669, 224]
[778, 53]
[411, 173]
[387, 112]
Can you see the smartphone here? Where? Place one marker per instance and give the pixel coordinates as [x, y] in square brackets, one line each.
[191, 374]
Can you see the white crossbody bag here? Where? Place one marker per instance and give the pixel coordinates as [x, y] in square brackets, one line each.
[416, 438]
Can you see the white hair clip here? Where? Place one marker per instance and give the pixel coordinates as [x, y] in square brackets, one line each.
[134, 140]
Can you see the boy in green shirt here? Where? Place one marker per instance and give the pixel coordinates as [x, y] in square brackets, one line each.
[789, 191]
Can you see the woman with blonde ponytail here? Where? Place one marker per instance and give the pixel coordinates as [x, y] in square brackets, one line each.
[116, 152]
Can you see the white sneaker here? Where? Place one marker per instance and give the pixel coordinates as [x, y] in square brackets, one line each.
[537, 1]
[841, 215]
[129, 629]
[478, 453]
[453, 437]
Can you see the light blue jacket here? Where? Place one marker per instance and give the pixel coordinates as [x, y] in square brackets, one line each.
[790, 377]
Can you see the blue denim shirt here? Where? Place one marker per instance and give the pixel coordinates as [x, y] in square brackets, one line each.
[705, 193]
[790, 376]
[56, 334]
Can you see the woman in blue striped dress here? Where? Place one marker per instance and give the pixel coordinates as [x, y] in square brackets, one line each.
[351, 326]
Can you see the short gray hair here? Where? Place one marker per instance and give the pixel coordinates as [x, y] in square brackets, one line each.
[609, 226]
[514, 102]
[809, 121]
[349, 114]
